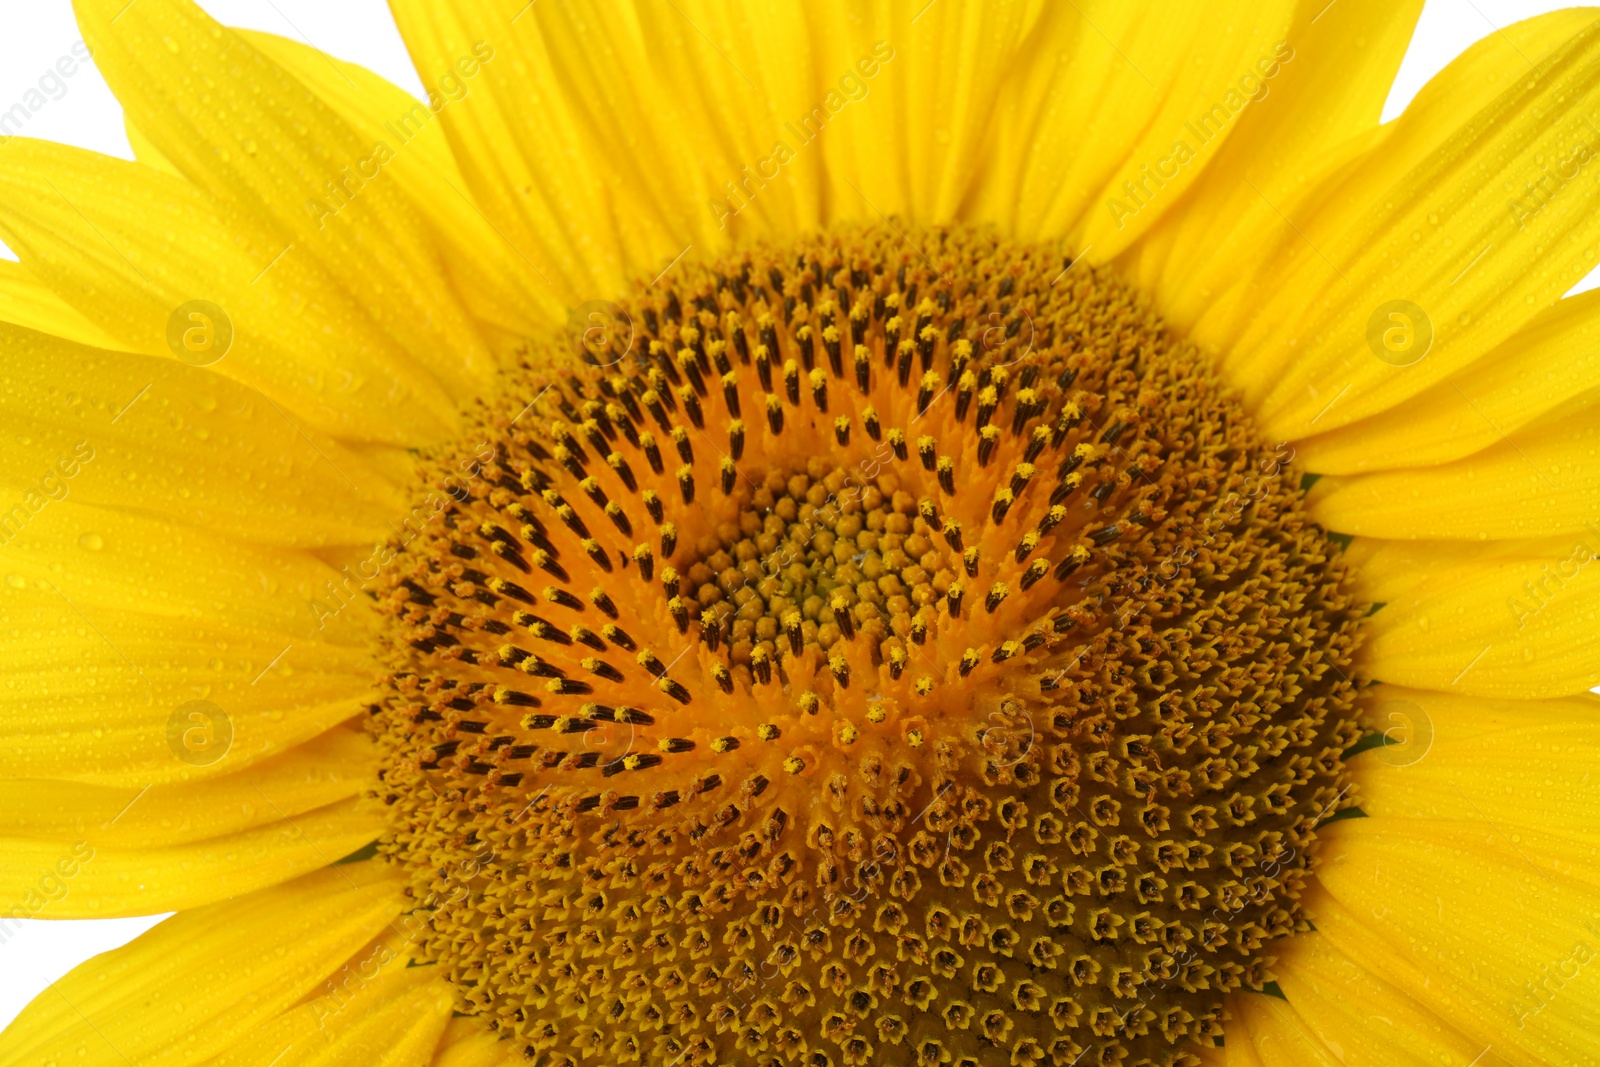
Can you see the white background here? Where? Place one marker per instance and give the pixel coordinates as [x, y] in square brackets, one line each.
[34, 33]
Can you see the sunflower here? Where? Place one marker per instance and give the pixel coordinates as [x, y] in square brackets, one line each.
[899, 534]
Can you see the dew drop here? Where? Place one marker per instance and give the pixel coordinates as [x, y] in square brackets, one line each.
[92, 541]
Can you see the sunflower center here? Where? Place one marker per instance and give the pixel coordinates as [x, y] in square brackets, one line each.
[815, 557]
[882, 649]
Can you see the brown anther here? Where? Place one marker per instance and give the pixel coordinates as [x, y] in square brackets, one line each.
[842, 618]
[710, 629]
[926, 390]
[897, 661]
[819, 389]
[988, 440]
[602, 600]
[952, 534]
[652, 452]
[791, 382]
[897, 442]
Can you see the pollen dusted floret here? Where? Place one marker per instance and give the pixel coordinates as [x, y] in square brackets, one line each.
[971, 698]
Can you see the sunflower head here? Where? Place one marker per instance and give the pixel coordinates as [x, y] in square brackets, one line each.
[959, 639]
[862, 649]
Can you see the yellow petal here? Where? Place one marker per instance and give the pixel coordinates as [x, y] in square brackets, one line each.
[246, 131]
[1265, 1030]
[1550, 365]
[912, 137]
[1523, 766]
[203, 981]
[1512, 619]
[1036, 118]
[381, 1005]
[1462, 919]
[146, 152]
[1147, 91]
[27, 301]
[580, 185]
[336, 766]
[132, 248]
[98, 557]
[492, 278]
[1501, 796]
[1253, 261]
[468, 1043]
[1346, 1012]
[109, 881]
[1541, 481]
[1436, 231]
[775, 120]
[1239, 1053]
[155, 435]
[1332, 89]
[402, 1029]
[108, 695]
